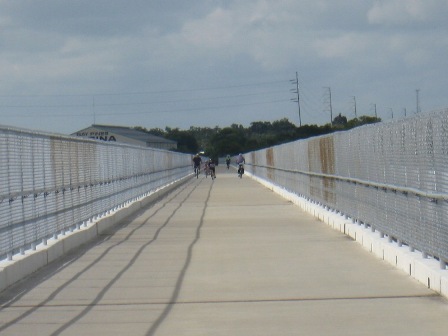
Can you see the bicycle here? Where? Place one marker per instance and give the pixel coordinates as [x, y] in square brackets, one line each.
[211, 169]
[240, 170]
[196, 171]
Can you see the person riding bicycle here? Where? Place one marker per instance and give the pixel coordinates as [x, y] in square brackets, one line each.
[240, 160]
[197, 162]
[206, 168]
[211, 166]
[228, 161]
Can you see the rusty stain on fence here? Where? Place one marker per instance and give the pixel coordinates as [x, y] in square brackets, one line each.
[321, 158]
[270, 162]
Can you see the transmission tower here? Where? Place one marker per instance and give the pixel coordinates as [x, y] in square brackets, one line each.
[418, 100]
[354, 106]
[327, 103]
[297, 99]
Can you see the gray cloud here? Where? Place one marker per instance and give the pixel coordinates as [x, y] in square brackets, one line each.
[205, 63]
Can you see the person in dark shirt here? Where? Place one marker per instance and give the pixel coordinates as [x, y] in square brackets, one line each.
[211, 166]
[197, 162]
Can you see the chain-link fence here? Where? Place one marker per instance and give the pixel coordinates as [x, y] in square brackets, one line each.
[390, 176]
[51, 184]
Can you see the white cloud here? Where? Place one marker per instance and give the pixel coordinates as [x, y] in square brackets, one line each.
[344, 46]
[106, 46]
[217, 30]
[270, 32]
[398, 12]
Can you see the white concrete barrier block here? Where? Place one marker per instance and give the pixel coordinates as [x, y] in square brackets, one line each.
[150, 199]
[358, 231]
[343, 224]
[329, 220]
[378, 248]
[335, 223]
[372, 246]
[134, 207]
[55, 250]
[428, 273]
[363, 237]
[3, 282]
[444, 284]
[389, 253]
[122, 214]
[79, 238]
[24, 265]
[106, 223]
[350, 230]
[321, 216]
[405, 261]
[367, 241]
[332, 221]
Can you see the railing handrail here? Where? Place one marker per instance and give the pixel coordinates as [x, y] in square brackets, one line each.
[384, 186]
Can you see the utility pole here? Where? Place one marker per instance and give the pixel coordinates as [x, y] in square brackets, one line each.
[405, 112]
[93, 110]
[297, 99]
[327, 99]
[418, 100]
[354, 105]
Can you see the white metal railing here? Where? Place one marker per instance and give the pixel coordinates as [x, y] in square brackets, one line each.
[50, 184]
[390, 176]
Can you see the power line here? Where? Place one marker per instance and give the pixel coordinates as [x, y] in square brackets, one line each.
[146, 92]
[208, 108]
[141, 103]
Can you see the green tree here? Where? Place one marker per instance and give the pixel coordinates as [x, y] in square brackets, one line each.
[283, 126]
[157, 132]
[368, 120]
[307, 131]
[227, 141]
[260, 127]
[203, 135]
[236, 138]
[186, 142]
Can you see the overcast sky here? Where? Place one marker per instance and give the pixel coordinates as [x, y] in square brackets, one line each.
[65, 65]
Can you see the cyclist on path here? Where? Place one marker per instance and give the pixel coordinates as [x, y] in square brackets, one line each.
[211, 166]
[240, 161]
[197, 162]
[228, 161]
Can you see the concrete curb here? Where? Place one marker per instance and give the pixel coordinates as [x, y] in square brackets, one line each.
[32, 260]
[425, 270]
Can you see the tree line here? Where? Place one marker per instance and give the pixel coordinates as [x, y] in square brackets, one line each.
[218, 142]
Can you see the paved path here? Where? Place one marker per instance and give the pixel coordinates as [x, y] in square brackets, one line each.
[224, 257]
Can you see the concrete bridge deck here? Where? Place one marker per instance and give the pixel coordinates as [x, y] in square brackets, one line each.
[223, 257]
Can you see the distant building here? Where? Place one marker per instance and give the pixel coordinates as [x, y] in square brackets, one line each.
[125, 135]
